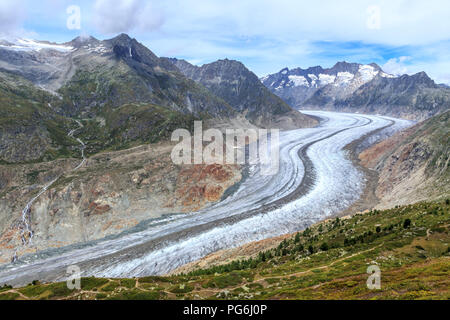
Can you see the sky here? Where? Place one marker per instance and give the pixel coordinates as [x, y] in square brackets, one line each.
[402, 36]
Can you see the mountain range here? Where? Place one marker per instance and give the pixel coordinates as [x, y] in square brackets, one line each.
[363, 88]
[241, 89]
[120, 101]
[128, 94]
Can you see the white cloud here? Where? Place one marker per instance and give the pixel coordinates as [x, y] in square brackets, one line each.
[402, 22]
[11, 16]
[112, 17]
[397, 66]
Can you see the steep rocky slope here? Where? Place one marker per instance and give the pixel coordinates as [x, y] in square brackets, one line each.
[413, 165]
[241, 88]
[110, 193]
[125, 71]
[122, 91]
[30, 130]
[89, 74]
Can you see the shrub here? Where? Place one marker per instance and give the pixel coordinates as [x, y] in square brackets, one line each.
[9, 296]
[407, 223]
[136, 295]
[128, 283]
[100, 296]
[110, 286]
[90, 283]
[225, 280]
[182, 288]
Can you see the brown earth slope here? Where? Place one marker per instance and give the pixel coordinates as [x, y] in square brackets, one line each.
[111, 192]
[413, 165]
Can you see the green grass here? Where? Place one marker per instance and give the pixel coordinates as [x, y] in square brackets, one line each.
[9, 296]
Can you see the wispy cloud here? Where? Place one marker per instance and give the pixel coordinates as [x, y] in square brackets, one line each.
[397, 66]
[12, 15]
[111, 17]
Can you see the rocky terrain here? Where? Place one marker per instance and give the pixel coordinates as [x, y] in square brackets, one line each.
[111, 192]
[352, 87]
[413, 165]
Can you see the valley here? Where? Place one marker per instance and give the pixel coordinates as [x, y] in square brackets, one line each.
[291, 200]
[87, 178]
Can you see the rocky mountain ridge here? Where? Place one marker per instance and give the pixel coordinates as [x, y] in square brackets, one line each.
[241, 88]
[356, 87]
[109, 82]
[298, 85]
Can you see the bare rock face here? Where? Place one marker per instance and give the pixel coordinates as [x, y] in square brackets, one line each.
[413, 165]
[112, 192]
[198, 185]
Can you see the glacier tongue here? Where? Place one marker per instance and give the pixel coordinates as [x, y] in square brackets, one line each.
[168, 243]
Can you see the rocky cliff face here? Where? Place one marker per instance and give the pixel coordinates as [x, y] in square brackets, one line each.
[239, 87]
[413, 97]
[413, 165]
[112, 192]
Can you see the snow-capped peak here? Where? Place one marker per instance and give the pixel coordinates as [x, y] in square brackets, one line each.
[343, 74]
[367, 72]
[33, 45]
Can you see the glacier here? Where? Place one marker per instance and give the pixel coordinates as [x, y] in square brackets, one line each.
[261, 207]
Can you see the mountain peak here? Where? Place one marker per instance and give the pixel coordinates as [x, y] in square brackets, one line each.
[83, 40]
[376, 66]
[423, 78]
[121, 39]
[344, 66]
[122, 36]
